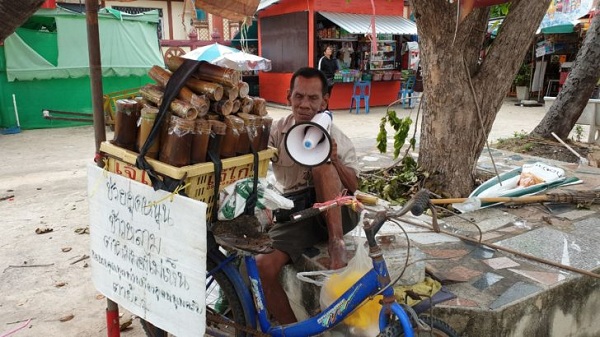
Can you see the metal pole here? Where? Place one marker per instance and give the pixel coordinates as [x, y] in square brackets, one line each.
[538, 78]
[93, 37]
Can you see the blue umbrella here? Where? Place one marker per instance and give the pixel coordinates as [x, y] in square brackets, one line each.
[210, 52]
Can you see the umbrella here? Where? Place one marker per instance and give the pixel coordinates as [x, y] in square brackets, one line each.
[561, 16]
[243, 61]
[210, 52]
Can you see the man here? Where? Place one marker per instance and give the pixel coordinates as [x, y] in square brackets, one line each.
[328, 66]
[308, 96]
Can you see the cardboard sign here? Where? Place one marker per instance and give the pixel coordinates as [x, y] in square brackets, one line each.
[148, 251]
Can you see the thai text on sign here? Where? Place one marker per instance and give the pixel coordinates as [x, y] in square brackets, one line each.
[148, 251]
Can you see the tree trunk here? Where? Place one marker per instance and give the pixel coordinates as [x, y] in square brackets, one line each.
[14, 12]
[453, 135]
[576, 91]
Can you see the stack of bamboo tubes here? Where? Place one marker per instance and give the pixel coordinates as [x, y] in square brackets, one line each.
[213, 102]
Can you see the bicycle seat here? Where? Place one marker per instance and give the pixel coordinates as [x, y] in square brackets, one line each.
[242, 233]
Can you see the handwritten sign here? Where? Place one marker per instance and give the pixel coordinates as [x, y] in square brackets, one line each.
[148, 251]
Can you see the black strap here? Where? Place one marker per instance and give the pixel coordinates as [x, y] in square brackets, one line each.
[213, 154]
[253, 197]
[175, 83]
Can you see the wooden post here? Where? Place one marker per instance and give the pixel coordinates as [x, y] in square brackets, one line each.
[93, 36]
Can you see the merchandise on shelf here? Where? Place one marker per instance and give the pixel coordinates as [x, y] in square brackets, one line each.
[347, 75]
[385, 57]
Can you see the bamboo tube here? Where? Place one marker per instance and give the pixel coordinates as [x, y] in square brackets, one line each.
[209, 72]
[247, 104]
[237, 104]
[183, 109]
[162, 76]
[251, 123]
[147, 119]
[200, 141]
[231, 93]
[154, 94]
[244, 89]
[267, 121]
[229, 144]
[214, 91]
[259, 107]
[222, 107]
[218, 127]
[201, 103]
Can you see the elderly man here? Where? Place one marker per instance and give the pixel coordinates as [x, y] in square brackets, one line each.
[308, 96]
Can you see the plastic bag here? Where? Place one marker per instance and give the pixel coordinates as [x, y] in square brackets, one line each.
[234, 196]
[364, 320]
[537, 173]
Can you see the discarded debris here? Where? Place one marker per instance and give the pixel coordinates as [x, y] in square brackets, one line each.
[100, 297]
[43, 230]
[22, 326]
[27, 266]
[82, 230]
[66, 318]
[7, 197]
[126, 325]
[83, 257]
[60, 284]
[66, 249]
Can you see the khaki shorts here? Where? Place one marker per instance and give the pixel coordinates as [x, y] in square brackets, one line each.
[294, 238]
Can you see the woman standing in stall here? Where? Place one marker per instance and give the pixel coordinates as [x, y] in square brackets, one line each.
[328, 66]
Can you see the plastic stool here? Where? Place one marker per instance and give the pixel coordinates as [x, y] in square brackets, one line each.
[361, 90]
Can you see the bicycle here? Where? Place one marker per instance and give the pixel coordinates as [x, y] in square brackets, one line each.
[241, 315]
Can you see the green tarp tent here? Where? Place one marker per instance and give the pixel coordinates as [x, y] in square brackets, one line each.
[45, 63]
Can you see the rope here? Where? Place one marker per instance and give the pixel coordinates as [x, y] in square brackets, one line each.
[341, 201]
[169, 196]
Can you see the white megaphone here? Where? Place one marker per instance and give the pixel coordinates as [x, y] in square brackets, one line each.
[309, 143]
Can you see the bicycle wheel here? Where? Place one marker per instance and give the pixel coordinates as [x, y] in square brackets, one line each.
[439, 328]
[221, 300]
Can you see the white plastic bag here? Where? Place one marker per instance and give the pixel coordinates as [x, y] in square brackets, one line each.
[364, 320]
[233, 198]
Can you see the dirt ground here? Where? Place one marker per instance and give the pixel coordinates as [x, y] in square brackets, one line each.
[545, 148]
[44, 273]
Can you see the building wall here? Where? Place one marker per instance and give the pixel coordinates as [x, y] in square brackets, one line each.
[171, 18]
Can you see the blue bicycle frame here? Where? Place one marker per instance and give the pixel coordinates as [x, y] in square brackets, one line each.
[366, 286]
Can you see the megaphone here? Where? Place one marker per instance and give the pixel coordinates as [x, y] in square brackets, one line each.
[309, 143]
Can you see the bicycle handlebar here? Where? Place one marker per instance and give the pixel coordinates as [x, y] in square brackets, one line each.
[416, 205]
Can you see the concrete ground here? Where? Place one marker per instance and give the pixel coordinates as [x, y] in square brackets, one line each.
[45, 277]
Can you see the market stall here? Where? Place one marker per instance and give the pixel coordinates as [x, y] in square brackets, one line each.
[41, 68]
[559, 38]
[294, 34]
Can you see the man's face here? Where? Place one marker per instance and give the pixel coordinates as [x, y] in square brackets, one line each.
[307, 98]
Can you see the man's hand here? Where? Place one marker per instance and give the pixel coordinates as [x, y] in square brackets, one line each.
[334, 156]
[346, 174]
[337, 253]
